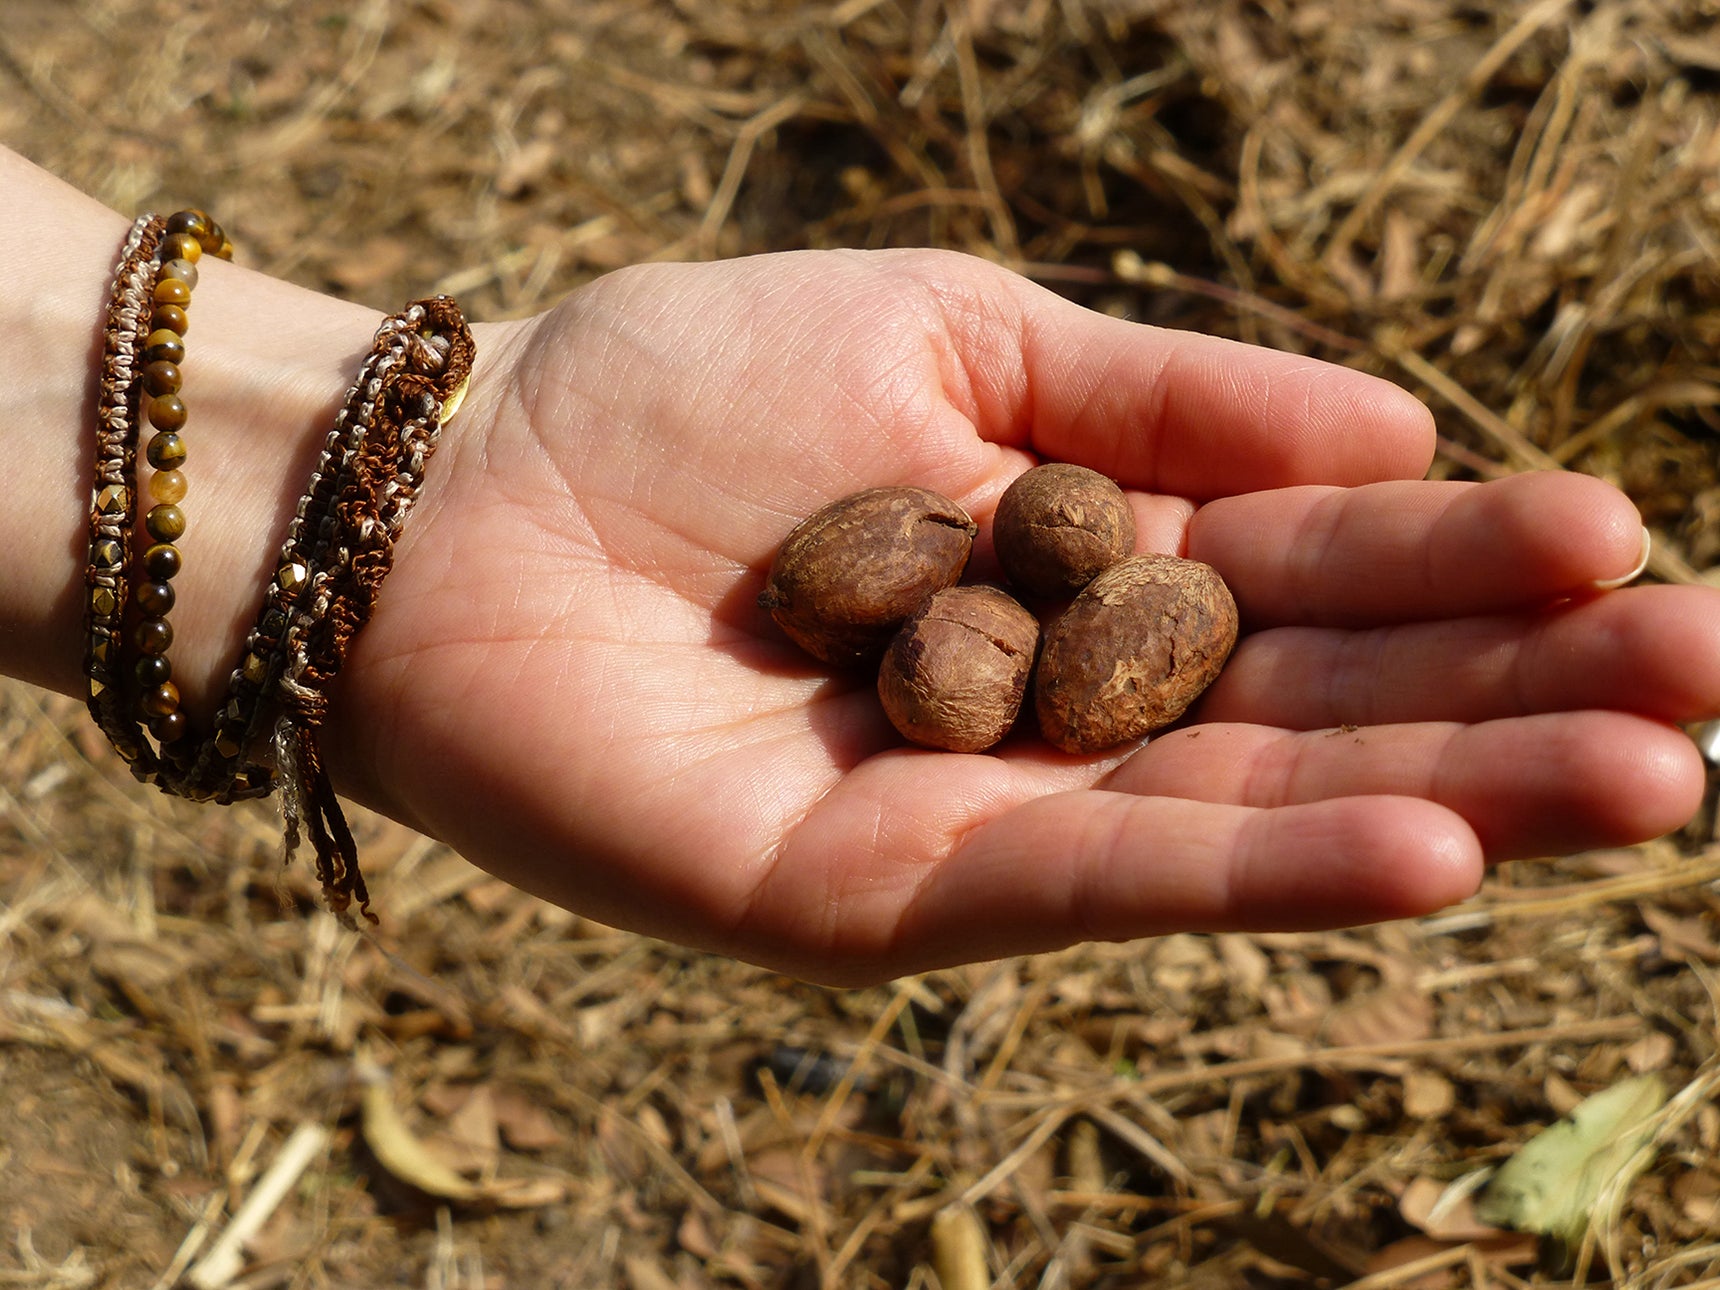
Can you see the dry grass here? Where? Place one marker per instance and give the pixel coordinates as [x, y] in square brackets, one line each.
[1514, 210]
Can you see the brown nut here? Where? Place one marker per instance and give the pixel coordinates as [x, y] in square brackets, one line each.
[1132, 651]
[851, 572]
[1058, 526]
[954, 676]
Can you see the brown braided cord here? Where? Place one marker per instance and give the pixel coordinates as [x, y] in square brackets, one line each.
[386, 475]
[433, 356]
[108, 587]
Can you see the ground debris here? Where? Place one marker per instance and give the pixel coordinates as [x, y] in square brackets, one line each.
[1423, 189]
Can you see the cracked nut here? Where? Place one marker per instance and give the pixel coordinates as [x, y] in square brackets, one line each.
[1132, 652]
[954, 676]
[1058, 526]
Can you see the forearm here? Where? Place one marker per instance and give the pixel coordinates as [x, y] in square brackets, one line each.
[267, 364]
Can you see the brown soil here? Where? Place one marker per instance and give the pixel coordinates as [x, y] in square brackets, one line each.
[1423, 188]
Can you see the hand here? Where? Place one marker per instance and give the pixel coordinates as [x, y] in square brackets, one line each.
[569, 681]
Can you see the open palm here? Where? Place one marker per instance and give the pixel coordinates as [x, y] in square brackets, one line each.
[569, 681]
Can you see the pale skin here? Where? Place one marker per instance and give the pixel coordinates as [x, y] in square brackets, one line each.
[568, 680]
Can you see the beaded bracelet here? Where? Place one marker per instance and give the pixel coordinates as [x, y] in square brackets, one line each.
[241, 720]
[142, 347]
[427, 340]
[188, 235]
[339, 547]
[425, 390]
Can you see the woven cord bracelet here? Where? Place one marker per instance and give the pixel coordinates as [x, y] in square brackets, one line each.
[337, 554]
[339, 547]
[110, 524]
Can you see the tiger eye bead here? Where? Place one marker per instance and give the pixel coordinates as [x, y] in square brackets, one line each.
[165, 451]
[167, 486]
[170, 728]
[162, 345]
[190, 220]
[152, 670]
[162, 561]
[152, 635]
[156, 598]
[161, 700]
[171, 291]
[171, 318]
[179, 270]
[182, 246]
[165, 522]
[162, 378]
[167, 412]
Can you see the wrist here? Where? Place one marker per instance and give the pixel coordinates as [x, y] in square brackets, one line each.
[267, 367]
[267, 364]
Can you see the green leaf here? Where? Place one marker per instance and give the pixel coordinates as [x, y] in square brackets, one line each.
[1551, 1184]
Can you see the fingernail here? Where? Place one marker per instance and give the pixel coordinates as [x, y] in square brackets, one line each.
[1612, 584]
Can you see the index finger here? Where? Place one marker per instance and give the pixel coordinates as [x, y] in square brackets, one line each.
[1182, 413]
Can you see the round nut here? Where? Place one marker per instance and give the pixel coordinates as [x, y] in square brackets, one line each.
[1132, 651]
[1058, 526]
[954, 676]
[851, 572]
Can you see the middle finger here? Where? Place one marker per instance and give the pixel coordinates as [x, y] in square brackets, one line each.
[1644, 649]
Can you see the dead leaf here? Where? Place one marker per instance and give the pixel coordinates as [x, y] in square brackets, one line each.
[1298, 1005]
[474, 1124]
[1427, 1095]
[1561, 1095]
[1445, 1210]
[694, 1235]
[1184, 963]
[398, 1150]
[1244, 963]
[1394, 1015]
[407, 1157]
[525, 1125]
[1681, 939]
[1697, 1195]
[525, 1193]
[645, 1273]
[1650, 1053]
[788, 1182]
